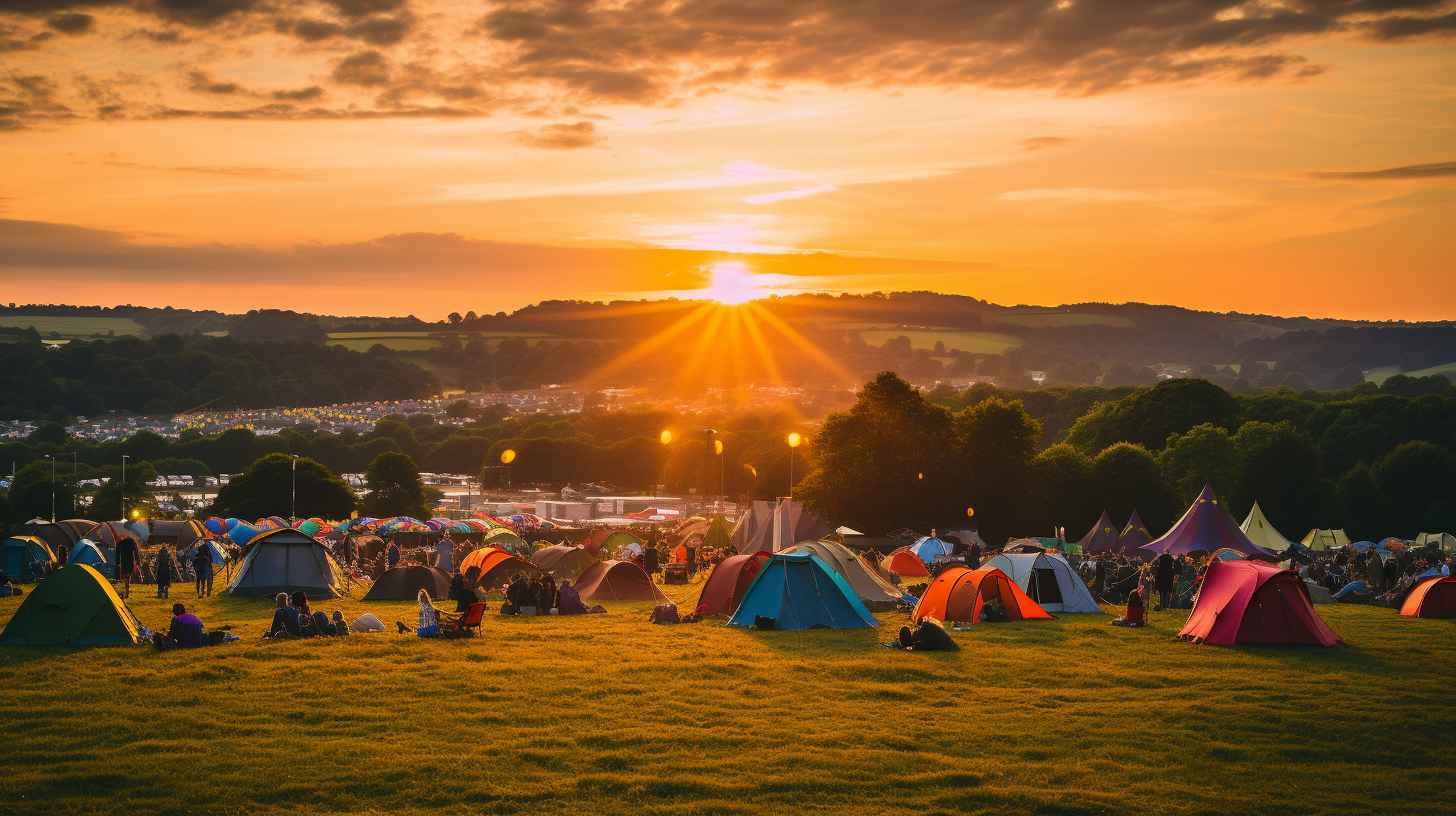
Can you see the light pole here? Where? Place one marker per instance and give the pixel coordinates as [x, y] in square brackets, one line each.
[124, 457]
[53, 487]
[794, 440]
[293, 488]
[75, 483]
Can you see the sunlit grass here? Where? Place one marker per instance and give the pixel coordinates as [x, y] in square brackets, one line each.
[609, 714]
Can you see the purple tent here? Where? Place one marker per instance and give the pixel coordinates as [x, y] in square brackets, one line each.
[1102, 538]
[1134, 536]
[1205, 527]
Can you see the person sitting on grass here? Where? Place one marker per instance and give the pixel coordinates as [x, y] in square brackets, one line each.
[285, 619]
[6, 588]
[568, 600]
[429, 622]
[1353, 591]
[461, 591]
[518, 596]
[545, 594]
[341, 628]
[1134, 615]
[186, 628]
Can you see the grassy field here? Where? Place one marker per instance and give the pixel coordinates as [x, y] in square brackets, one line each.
[1057, 319]
[418, 341]
[74, 327]
[1380, 375]
[609, 714]
[971, 342]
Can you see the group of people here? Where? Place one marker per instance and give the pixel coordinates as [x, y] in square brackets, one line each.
[293, 618]
[166, 569]
[1372, 576]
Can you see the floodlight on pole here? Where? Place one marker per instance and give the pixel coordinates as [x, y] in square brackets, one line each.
[293, 488]
[794, 440]
[53, 487]
[124, 457]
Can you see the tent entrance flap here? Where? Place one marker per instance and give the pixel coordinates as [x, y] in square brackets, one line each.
[1044, 586]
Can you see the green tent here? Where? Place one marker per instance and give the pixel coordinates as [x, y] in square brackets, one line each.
[75, 606]
[21, 553]
[1325, 539]
[1262, 532]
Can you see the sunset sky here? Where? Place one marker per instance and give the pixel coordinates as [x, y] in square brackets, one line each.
[427, 156]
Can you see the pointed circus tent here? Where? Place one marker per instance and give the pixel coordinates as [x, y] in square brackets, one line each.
[1102, 538]
[1255, 603]
[1432, 598]
[1325, 539]
[1262, 533]
[800, 591]
[286, 560]
[405, 583]
[617, 581]
[875, 592]
[75, 606]
[1049, 580]
[727, 583]
[497, 566]
[1205, 527]
[1134, 536]
[959, 594]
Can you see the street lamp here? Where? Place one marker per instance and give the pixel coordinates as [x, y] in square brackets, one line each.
[75, 483]
[293, 488]
[53, 487]
[665, 437]
[124, 457]
[794, 440]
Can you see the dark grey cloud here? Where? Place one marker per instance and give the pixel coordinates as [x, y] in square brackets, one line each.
[365, 68]
[199, 81]
[1409, 171]
[72, 22]
[1406, 27]
[564, 136]
[307, 94]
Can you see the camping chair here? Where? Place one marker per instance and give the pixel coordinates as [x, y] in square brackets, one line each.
[465, 625]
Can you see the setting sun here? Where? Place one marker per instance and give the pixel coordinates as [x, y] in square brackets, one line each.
[731, 283]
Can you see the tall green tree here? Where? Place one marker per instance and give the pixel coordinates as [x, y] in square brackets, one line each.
[1281, 470]
[1128, 478]
[1415, 481]
[395, 488]
[885, 464]
[1066, 493]
[1204, 454]
[266, 489]
[995, 441]
[1148, 416]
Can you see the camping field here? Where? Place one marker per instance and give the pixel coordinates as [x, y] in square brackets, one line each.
[609, 714]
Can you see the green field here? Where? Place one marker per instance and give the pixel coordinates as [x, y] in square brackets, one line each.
[74, 327]
[420, 341]
[921, 337]
[609, 714]
[1380, 375]
[1057, 319]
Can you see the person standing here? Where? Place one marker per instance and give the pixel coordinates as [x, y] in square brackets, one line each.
[202, 569]
[649, 559]
[445, 554]
[126, 561]
[1164, 570]
[973, 555]
[164, 571]
[391, 556]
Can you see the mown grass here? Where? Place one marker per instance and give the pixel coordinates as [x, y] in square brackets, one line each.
[74, 326]
[423, 341]
[609, 714]
[971, 342]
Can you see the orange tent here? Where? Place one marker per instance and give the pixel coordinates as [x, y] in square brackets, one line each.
[496, 566]
[1432, 598]
[904, 563]
[958, 594]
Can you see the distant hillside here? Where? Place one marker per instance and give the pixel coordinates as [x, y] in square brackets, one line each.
[830, 340]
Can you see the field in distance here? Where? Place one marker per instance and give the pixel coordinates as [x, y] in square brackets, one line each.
[925, 337]
[424, 340]
[610, 714]
[74, 328]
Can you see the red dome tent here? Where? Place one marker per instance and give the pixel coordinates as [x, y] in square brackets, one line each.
[1432, 598]
[904, 563]
[616, 581]
[1254, 602]
[727, 583]
[958, 594]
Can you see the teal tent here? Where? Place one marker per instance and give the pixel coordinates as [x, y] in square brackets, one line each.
[800, 591]
[87, 552]
[22, 553]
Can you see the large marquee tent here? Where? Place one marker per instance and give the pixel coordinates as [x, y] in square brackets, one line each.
[1205, 527]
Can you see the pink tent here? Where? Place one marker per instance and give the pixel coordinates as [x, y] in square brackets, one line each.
[1255, 602]
[1206, 527]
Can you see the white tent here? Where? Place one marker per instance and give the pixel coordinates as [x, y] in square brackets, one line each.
[1260, 531]
[1048, 579]
[1445, 541]
[754, 530]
